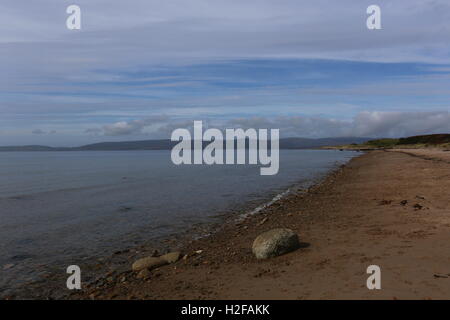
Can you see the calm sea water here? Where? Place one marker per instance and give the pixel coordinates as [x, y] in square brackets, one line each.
[58, 206]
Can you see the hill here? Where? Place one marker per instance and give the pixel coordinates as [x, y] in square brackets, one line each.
[286, 143]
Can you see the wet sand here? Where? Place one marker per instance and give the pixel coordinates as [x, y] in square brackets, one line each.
[388, 208]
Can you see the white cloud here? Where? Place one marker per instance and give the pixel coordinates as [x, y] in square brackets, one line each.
[130, 127]
[400, 124]
[150, 32]
[47, 70]
[364, 124]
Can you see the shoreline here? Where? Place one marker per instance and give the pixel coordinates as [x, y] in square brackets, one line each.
[187, 242]
[386, 208]
[100, 269]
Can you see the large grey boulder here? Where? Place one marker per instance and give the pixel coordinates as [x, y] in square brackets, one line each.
[275, 242]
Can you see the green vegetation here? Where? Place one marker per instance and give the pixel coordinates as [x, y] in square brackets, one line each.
[425, 141]
[428, 139]
[382, 143]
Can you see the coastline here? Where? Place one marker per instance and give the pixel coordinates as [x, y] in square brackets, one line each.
[103, 268]
[355, 217]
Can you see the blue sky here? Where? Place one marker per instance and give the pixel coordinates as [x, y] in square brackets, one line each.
[141, 69]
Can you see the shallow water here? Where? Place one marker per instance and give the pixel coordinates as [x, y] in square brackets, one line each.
[57, 207]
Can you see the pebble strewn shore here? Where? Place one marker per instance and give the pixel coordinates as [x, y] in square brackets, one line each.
[384, 208]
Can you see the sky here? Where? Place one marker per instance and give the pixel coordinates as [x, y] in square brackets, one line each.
[139, 69]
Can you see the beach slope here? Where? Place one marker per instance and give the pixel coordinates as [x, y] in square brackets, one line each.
[384, 208]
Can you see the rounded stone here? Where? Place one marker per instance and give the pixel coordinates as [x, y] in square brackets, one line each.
[275, 243]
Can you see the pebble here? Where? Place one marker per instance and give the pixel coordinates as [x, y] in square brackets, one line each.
[148, 263]
[263, 221]
[144, 274]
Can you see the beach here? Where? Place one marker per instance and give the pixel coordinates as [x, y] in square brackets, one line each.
[386, 208]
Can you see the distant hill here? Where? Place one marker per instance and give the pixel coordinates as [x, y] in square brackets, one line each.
[129, 145]
[28, 148]
[426, 139]
[429, 139]
[286, 143]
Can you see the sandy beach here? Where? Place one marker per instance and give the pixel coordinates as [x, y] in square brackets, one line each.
[388, 208]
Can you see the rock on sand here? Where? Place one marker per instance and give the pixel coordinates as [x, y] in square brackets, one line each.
[275, 242]
[155, 262]
[171, 257]
[148, 263]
